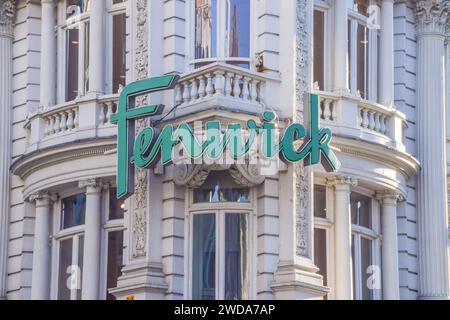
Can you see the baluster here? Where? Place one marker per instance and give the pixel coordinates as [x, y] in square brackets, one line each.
[51, 128]
[202, 87]
[186, 92]
[209, 85]
[377, 122]
[178, 95]
[326, 110]
[261, 92]
[76, 121]
[333, 110]
[57, 123]
[219, 83]
[228, 83]
[383, 124]
[109, 111]
[194, 90]
[365, 118]
[371, 120]
[102, 118]
[70, 120]
[47, 127]
[245, 89]
[63, 124]
[237, 86]
[254, 90]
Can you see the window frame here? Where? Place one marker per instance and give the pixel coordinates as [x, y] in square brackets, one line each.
[370, 56]
[220, 36]
[59, 235]
[220, 210]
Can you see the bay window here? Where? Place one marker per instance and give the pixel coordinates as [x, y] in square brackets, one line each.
[75, 29]
[70, 241]
[222, 32]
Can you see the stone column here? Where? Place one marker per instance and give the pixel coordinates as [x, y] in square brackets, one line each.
[340, 35]
[387, 53]
[40, 284]
[7, 11]
[432, 21]
[92, 252]
[389, 245]
[48, 55]
[97, 48]
[343, 236]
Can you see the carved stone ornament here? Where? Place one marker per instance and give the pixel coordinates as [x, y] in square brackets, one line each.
[139, 206]
[7, 15]
[432, 16]
[301, 175]
[193, 176]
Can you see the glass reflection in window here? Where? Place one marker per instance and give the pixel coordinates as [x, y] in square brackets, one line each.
[65, 261]
[361, 210]
[73, 210]
[236, 260]
[220, 187]
[204, 257]
[72, 45]
[238, 29]
[205, 29]
[115, 260]
[119, 52]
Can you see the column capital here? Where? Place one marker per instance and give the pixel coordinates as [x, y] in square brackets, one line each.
[390, 196]
[432, 17]
[44, 198]
[342, 181]
[7, 15]
[92, 185]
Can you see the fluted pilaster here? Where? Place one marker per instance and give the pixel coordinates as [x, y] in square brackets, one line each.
[432, 21]
[7, 13]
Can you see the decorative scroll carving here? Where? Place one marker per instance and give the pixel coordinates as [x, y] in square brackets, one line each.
[301, 175]
[246, 175]
[139, 225]
[433, 16]
[192, 176]
[7, 15]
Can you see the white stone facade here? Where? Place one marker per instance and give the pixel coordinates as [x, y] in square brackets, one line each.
[377, 229]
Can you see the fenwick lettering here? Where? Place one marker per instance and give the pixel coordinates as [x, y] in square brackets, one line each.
[152, 145]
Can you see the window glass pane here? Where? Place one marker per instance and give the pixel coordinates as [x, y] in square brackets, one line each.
[73, 42]
[236, 260]
[204, 257]
[362, 45]
[115, 260]
[220, 187]
[80, 264]
[319, 47]
[349, 54]
[205, 28]
[238, 28]
[366, 262]
[119, 59]
[320, 252]
[116, 207]
[73, 210]
[320, 202]
[361, 209]
[86, 57]
[354, 265]
[65, 261]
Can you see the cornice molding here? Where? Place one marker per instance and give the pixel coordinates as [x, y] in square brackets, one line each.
[432, 17]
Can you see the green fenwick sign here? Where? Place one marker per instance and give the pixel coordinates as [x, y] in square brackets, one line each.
[152, 145]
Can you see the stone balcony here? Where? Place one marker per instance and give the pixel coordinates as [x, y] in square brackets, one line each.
[349, 116]
[81, 119]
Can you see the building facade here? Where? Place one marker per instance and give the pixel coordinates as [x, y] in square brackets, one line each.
[376, 229]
